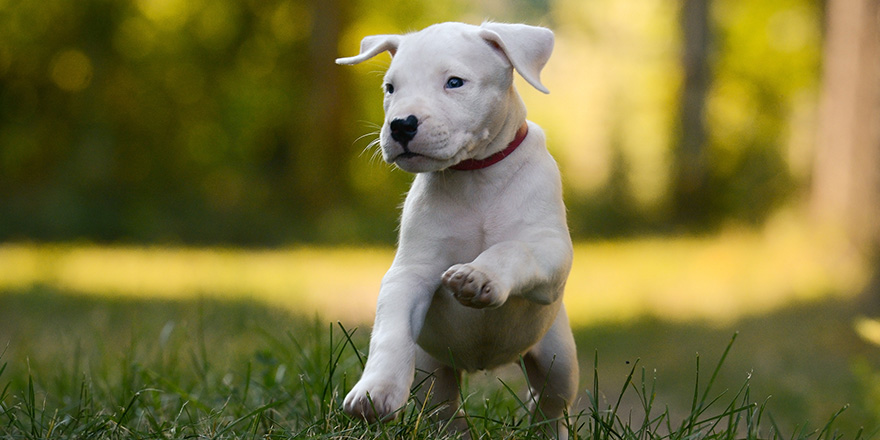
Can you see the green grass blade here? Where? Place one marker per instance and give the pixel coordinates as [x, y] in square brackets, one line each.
[249, 415]
[126, 411]
[718, 368]
[350, 342]
[626, 385]
[826, 430]
[31, 406]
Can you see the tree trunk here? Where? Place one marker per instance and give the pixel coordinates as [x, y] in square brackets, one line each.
[846, 176]
[846, 189]
[322, 162]
[690, 188]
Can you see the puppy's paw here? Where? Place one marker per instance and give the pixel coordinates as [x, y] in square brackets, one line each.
[473, 287]
[373, 400]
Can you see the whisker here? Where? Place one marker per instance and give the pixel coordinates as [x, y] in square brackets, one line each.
[377, 151]
[370, 144]
[366, 135]
[376, 155]
[372, 126]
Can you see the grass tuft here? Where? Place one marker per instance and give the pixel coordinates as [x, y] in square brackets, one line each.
[709, 418]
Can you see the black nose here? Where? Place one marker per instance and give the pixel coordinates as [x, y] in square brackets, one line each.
[404, 130]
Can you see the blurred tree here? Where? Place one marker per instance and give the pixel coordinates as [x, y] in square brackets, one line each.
[690, 192]
[323, 162]
[760, 65]
[846, 177]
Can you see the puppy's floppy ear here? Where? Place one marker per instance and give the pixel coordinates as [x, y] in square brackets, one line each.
[372, 46]
[527, 47]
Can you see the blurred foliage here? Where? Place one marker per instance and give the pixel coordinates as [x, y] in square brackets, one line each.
[227, 121]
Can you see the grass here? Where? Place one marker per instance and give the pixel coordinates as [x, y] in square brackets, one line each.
[178, 370]
[79, 367]
[133, 342]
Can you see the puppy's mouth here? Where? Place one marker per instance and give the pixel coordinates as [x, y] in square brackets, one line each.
[411, 159]
[407, 155]
[417, 162]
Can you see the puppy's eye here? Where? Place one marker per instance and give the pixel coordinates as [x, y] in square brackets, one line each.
[454, 82]
[389, 88]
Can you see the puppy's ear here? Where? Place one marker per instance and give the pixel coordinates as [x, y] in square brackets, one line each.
[372, 46]
[526, 47]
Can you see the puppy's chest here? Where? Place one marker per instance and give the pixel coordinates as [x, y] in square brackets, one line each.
[471, 200]
[464, 223]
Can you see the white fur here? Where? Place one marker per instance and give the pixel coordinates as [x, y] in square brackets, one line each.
[484, 254]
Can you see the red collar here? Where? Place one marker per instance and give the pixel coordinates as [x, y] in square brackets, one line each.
[476, 164]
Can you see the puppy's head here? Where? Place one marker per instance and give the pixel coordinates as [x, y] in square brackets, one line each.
[449, 92]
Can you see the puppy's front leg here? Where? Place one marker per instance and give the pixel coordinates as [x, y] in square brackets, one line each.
[384, 386]
[535, 268]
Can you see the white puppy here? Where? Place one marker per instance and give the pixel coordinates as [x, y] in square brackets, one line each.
[484, 249]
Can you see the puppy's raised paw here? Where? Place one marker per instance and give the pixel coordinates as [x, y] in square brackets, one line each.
[473, 287]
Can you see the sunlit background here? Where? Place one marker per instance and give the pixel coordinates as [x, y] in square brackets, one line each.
[720, 161]
[227, 122]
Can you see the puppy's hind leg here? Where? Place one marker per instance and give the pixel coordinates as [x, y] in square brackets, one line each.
[552, 370]
[438, 390]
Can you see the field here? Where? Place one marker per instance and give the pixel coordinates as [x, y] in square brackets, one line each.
[130, 342]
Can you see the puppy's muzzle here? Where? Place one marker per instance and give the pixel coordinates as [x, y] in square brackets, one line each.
[404, 130]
